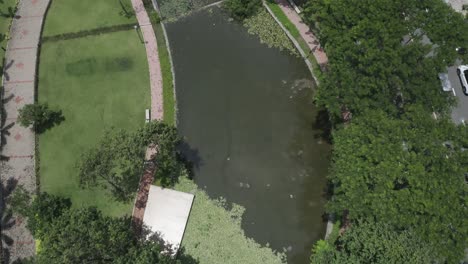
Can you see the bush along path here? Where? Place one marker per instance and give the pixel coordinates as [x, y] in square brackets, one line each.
[17, 165]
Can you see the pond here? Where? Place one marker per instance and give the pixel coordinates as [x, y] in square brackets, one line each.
[247, 112]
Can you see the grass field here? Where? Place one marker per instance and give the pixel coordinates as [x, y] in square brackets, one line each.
[98, 82]
[65, 16]
[5, 7]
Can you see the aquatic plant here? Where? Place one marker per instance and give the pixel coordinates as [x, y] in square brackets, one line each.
[214, 234]
[269, 32]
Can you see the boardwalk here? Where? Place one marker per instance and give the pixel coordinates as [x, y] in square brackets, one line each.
[18, 161]
[304, 30]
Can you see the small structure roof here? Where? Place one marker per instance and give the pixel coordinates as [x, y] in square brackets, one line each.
[167, 213]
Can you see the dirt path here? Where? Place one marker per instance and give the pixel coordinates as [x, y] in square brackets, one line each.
[307, 35]
[17, 146]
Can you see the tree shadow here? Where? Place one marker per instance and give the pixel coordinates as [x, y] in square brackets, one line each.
[323, 124]
[56, 117]
[190, 157]
[6, 218]
[5, 70]
[4, 129]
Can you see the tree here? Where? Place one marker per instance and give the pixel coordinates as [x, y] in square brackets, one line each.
[43, 210]
[374, 242]
[242, 9]
[168, 159]
[39, 116]
[116, 163]
[408, 172]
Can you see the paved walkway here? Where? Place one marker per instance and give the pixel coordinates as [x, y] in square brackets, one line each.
[153, 60]
[18, 163]
[307, 35]
[156, 108]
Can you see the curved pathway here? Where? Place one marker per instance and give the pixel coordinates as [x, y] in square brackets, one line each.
[18, 161]
[156, 108]
[153, 60]
[304, 30]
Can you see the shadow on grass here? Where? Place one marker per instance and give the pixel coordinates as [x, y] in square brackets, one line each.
[56, 117]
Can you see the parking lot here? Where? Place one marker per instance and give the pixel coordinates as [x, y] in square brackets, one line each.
[460, 111]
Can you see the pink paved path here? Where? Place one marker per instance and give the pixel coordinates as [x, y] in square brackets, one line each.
[153, 60]
[156, 108]
[305, 32]
[17, 168]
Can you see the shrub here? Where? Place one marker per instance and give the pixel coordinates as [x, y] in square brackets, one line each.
[242, 9]
[269, 32]
[39, 116]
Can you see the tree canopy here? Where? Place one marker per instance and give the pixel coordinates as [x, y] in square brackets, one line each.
[409, 172]
[393, 162]
[40, 116]
[377, 58]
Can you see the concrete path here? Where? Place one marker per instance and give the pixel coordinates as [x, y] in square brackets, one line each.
[18, 163]
[153, 60]
[307, 35]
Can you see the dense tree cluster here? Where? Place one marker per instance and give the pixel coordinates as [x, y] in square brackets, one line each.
[373, 242]
[84, 235]
[393, 162]
[377, 58]
[408, 172]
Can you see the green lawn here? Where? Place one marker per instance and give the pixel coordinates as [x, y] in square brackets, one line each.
[97, 82]
[65, 16]
[5, 23]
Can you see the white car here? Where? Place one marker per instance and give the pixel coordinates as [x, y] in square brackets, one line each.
[462, 72]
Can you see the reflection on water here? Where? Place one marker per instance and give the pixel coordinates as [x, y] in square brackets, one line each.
[248, 114]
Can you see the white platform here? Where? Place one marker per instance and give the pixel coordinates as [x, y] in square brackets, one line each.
[166, 213]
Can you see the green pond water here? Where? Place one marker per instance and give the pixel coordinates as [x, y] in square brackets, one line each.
[247, 113]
